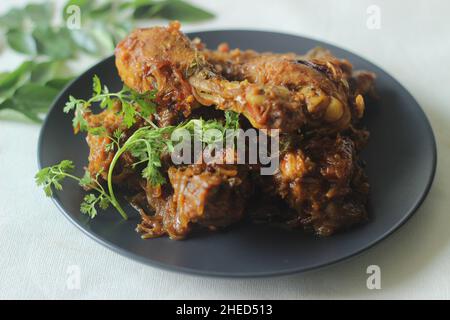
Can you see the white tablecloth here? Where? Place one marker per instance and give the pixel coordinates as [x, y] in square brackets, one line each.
[38, 246]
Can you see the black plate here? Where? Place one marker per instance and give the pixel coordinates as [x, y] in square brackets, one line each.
[401, 161]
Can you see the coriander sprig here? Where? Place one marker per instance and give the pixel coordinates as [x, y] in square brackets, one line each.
[132, 104]
[51, 177]
[146, 145]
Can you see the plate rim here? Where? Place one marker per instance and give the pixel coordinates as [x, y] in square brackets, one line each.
[209, 273]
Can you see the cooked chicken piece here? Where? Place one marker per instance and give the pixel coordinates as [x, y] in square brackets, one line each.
[100, 156]
[228, 62]
[211, 196]
[157, 58]
[164, 59]
[315, 99]
[275, 92]
[326, 99]
[321, 179]
[321, 78]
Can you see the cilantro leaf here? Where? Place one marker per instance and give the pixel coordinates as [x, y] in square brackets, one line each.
[88, 205]
[52, 176]
[128, 113]
[96, 85]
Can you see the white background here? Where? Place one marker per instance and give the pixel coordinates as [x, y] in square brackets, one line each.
[37, 244]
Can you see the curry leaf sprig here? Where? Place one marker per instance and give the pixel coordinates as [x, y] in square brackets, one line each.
[49, 50]
[51, 177]
[127, 97]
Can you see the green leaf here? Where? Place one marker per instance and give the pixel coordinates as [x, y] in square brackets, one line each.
[66, 165]
[43, 71]
[97, 131]
[119, 30]
[96, 85]
[88, 205]
[71, 104]
[58, 83]
[110, 147]
[147, 9]
[35, 97]
[15, 78]
[13, 19]
[78, 121]
[118, 134]
[231, 120]
[50, 178]
[10, 81]
[3, 75]
[106, 101]
[21, 41]
[79, 106]
[101, 10]
[55, 43]
[85, 6]
[103, 38]
[42, 176]
[180, 10]
[147, 107]
[86, 41]
[87, 180]
[12, 105]
[40, 14]
[128, 113]
[104, 203]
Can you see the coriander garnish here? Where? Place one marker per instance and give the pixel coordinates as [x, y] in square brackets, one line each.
[147, 144]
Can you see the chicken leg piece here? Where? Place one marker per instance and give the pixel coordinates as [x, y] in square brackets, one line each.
[333, 92]
[165, 59]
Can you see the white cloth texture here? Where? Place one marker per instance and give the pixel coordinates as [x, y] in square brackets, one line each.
[38, 245]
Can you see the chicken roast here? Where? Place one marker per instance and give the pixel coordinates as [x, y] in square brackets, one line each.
[315, 100]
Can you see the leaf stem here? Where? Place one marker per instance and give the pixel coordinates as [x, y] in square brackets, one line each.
[114, 201]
